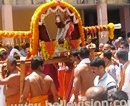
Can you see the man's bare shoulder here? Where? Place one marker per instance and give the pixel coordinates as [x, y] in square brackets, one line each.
[44, 77]
[48, 78]
[17, 74]
[81, 67]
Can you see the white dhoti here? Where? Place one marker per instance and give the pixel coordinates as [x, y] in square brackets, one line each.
[2, 97]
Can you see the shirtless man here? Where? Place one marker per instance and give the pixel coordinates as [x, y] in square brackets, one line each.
[83, 76]
[38, 84]
[11, 82]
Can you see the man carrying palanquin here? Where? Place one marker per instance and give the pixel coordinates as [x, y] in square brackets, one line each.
[38, 85]
[11, 82]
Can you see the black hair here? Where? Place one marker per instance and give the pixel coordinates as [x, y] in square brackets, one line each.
[119, 95]
[125, 44]
[74, 53]
[16, 56]
[123, 54]
[4, 52]
[16, 47]
[12, 60]
[97, 62]
[36, 62]
[84, 52]
[128, 34]
[27, 45]
[1, 56]
[107, 54]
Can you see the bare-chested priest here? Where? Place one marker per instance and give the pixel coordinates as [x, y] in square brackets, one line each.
[83, 77]
[11, 82]
[38, 84]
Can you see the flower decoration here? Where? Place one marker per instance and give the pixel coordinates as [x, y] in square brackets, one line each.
[49, 48]
[100, 28]
[111, 30]
[75, 43]
[15, 34]
[37, 15]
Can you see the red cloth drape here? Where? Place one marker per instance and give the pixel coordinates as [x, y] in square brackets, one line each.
[50, 70]
[43, 35]
[75, 34]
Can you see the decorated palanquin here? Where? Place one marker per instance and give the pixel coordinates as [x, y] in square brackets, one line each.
[58, 27]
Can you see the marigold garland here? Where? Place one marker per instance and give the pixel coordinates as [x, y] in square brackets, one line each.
[100, 28]
[15, 34]
[36, 17]
[45, 47]
[75, 43]
[49, 48]
[64, 46]
[111, 30]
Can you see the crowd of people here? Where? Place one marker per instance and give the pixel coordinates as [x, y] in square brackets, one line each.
[105, 77]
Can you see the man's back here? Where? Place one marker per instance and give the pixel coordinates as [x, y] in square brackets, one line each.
[13, 85]
[39, 84]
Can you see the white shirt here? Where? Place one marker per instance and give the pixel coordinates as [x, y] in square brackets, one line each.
[126, 86]
[107, 82]
[112, 70]
[14, 51]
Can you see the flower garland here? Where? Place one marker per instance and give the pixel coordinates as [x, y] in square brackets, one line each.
[15, 34]
[49, 48]
[111, 30]
[62, 47]
[75, 43]
[100, 28]
[94, 29]
[37, 15]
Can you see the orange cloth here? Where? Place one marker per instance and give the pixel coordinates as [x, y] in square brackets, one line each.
[122, 75]
[64, 79]
[39, 99]
[121, 80]
[67, 77]
[70, 86]
[61, 83]
[13, 99]
[27, 69]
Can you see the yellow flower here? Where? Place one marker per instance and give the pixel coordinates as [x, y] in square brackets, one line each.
[111, 30]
